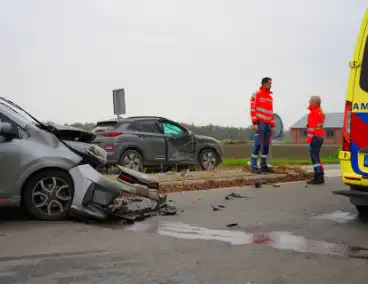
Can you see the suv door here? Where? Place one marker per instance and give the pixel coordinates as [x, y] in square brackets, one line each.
[150, 140]
[9, 161]
[180, 143]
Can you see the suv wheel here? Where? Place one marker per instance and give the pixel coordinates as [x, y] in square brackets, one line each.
[131, 159]
[48, 195]
[208, 159]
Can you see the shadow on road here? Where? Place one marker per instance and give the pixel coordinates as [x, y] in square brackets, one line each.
[14, 214]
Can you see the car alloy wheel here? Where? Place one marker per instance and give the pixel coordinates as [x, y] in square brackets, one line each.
[52, 196]
[132, 160]
[48, 194]
[208, 160]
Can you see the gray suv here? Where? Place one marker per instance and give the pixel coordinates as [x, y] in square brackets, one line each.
[148, 141]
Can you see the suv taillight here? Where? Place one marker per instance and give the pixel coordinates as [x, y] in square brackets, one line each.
[347, 127]
[111, 134]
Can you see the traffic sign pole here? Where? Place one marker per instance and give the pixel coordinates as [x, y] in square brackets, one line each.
[270, 154]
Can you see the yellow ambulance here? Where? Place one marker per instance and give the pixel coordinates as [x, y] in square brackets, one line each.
[354, 154]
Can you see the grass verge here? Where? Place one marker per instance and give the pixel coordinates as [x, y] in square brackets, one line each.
[278, 162]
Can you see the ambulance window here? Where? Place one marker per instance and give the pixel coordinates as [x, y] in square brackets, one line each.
[364, 72]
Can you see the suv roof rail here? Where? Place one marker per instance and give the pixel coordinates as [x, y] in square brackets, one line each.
[145, 116]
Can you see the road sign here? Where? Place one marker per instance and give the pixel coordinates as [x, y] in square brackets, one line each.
[118, 97]
[279, 127]
[277, 133]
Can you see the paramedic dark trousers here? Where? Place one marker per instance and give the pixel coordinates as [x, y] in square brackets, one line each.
[261, 140]
[315, 148]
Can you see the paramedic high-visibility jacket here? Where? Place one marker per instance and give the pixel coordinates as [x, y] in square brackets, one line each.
[261, 107]
[316, 119]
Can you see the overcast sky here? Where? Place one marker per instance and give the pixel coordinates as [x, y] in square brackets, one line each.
[189, 60]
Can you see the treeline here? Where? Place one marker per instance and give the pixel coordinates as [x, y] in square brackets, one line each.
[218, 132]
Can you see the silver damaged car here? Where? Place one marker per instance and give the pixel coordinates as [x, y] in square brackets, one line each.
[51, 170]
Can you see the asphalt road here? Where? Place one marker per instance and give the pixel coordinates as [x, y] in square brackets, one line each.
[287, 234]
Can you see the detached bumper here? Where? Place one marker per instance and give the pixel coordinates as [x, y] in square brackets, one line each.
[93, 193]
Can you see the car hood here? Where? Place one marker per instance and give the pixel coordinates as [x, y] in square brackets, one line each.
[204, 138]
[68, 133]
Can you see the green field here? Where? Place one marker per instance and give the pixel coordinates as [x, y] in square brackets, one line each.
[238, 154]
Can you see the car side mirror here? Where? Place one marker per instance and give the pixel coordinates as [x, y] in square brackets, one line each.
[6, 130]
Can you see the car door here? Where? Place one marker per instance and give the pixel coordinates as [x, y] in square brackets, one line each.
[9, 162]
[180, 142]
[150, 140]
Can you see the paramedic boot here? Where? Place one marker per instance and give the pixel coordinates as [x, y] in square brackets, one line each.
[266, 169]
[316, 179]
[322, 178]
[256, 171]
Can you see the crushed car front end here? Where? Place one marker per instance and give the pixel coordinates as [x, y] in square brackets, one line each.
[94, 192]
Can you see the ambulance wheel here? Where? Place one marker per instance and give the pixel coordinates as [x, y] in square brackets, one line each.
[362, 210]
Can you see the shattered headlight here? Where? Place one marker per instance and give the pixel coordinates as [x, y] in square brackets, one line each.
[98, 153]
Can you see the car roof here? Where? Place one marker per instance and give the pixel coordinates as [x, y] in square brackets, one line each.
[130, 119]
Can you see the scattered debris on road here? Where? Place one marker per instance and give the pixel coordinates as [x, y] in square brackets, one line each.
[276, 185]
[232, 225]
[257, 183]
[233, 195]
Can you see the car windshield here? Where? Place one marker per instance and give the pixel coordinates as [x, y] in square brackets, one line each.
[17, 110]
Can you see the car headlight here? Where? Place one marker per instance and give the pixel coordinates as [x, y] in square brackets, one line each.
[98, 153]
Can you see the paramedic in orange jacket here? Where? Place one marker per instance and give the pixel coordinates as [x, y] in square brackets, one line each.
[315, 136]
[261, 112]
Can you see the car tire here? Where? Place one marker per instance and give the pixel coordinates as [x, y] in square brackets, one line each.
[131, 159]
[362, 210]
[48, 195]
[208, 159]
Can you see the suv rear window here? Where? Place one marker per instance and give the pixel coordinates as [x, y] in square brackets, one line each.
[105, 126]
[364, 72]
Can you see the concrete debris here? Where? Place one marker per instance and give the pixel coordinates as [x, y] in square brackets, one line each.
[257, 183]
[276, 185]
[215, 208]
